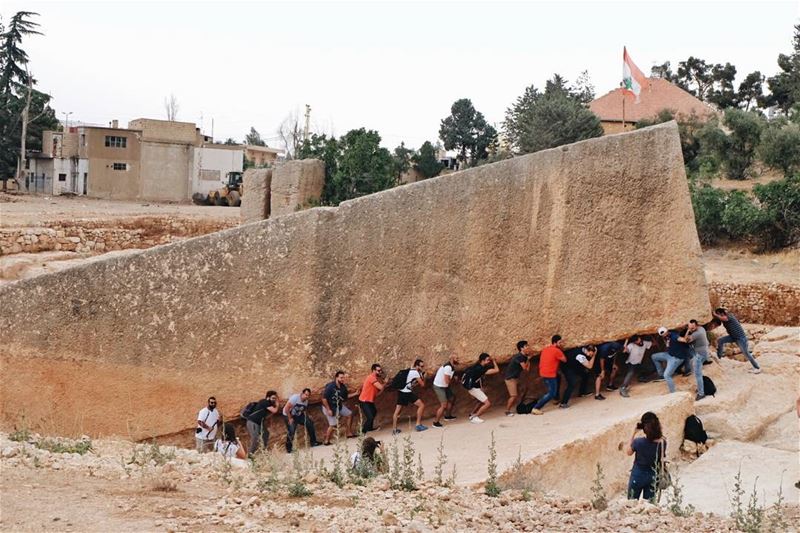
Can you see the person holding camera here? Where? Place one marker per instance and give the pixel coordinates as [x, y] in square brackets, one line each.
[373, 385]
[649, 453]
[207, 421]
[229, 445]
[406, 396]
[371, 452]
[257, 420]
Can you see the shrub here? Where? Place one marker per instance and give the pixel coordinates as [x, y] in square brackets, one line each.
[780, 147]
[709, 204]
[740, 217]
[736, 149]
[780, 206]
[599, 499]
[492, 488]
[60, 445]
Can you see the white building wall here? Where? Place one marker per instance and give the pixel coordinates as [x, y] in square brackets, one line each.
[210, 167]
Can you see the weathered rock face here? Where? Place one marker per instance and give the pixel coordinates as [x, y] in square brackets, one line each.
[257, 183]
[594, 241]
[296, 185]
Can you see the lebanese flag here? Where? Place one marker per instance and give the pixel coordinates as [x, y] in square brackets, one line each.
[632, 78]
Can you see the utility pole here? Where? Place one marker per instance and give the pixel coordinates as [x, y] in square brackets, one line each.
[308, 119]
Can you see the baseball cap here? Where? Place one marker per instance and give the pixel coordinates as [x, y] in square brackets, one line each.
[662, 330]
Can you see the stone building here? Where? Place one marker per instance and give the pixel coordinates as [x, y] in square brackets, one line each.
[151, 159]
[658, 95]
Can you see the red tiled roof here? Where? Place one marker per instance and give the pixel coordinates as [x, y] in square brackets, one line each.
[661, 94]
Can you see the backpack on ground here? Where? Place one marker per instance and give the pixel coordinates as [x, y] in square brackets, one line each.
[247, 410]
[693, 430]
[525, 408]
[400, 380]
[708, 386]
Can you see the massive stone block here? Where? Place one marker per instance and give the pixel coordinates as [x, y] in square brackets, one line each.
[594, 240]
[257, 183]
[295, 185]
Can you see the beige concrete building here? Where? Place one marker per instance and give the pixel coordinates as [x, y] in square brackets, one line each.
[151, 159]
[262, 156]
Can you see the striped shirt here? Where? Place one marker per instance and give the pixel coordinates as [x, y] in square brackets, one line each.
[734, 328]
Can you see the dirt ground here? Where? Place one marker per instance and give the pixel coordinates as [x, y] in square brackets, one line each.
[741, 266]
[25, 210]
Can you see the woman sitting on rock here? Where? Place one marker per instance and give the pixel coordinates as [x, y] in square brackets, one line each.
[650, 450]
[229, 446]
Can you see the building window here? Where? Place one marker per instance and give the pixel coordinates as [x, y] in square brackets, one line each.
[62, 177]
[120, 166]
[116, 142]
[83, 139]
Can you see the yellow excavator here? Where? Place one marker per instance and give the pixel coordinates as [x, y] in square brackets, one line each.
[229, 195]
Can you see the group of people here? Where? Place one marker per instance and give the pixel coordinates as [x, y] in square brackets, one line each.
[585, 367]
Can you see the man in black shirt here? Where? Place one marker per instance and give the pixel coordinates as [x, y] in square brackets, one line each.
[473, 382]
[257, 420]
[518, 363]
[333, 406]
[580, 362]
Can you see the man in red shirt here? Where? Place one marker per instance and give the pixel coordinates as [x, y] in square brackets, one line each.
[549, 361]
[372, 387]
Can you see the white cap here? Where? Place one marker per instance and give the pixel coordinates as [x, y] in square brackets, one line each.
[662, 330]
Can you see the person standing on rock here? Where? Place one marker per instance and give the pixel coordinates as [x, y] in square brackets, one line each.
[333, 406]
[373, 386]
[635, 347]
[607, 353]
[207, 421]
[520, 362]
[444, 393]
[677, 354]
[294, 413]
[405, 396]
[473, 382]
[650, 452]
[257, 421]
[735, 334]
[699, 341]
[578, 367]
[549, 361]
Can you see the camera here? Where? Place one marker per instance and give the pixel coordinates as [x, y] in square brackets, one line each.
[639, 426]
[198, 430]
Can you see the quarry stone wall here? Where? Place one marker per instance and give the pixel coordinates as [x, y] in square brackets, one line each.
[594, 240]
[257, 184]
[296, 185]
[759, 303]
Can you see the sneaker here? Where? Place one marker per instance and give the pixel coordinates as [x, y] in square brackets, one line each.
[556, 402]
[611, 387]
[755, 370]
[509, 413]
[585, 394]
[659, 378]
[450, 417]
[471, 416]
[476, 420]
[624, 392]
[438, 425]
[536, 412]
[599, 397]
[699, 397]
[563, 406]
[421, 427]
[395, 431]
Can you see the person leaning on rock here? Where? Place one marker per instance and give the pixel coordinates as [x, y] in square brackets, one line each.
[406, 396]
[677, 354]
[444, 392]
[374, 384]
[334, 398]
[473, 382]
[549, 361]
[519, 363]
[699, 341]
[635, 347]
[579, 365]
[207, 421]
[294, 413]
[257, 421]
[735, 334]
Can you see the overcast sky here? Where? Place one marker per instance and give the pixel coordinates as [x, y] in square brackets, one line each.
[393, 67]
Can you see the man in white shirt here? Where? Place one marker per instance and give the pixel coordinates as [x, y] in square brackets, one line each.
[295, 413]
[441, 387]
[405, 396]
[207, 422]
[635, 347]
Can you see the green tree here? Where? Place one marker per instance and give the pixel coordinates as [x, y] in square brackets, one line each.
[688, 129]
[722, 92]
[694, 76]
[230, 141]
[24, 111]
[541, 120]
[785, 86]
[780, 204]
[467, 132]
[663, 71]
[326, 149]
[402, 159]
[254, 138]
[780, 146]
[737, 149]
[426, 162]
[751, 91]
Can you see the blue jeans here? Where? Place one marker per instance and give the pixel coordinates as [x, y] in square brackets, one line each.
[697, 364]
[671, 364]
[742, 343]
[641, 484]
[552, 392]
[292, 428]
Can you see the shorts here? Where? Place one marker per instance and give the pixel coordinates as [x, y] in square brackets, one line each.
[511, 385]
[333, 421]
[478, 394]
[406, 398]
[444, 394]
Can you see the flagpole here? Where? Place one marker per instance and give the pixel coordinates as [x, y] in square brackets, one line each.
[623, 110]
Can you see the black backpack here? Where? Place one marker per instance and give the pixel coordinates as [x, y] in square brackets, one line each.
[525, 408]
[247, 410]
[708, 386]
[693, 430]
[468, 379]
[400, 380]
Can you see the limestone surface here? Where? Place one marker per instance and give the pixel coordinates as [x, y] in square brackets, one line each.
[296, 185]
[255, 200]
[594, 240]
